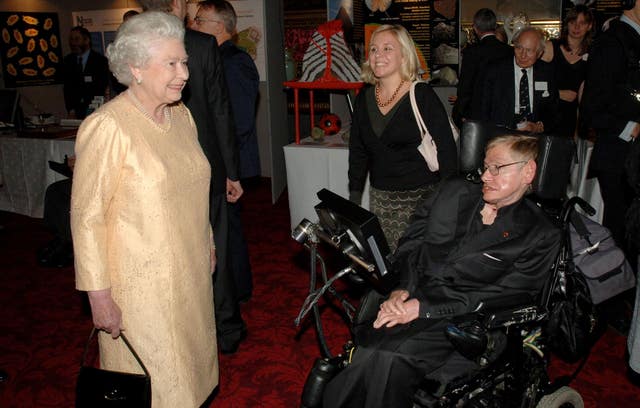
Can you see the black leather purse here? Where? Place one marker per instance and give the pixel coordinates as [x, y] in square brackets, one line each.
[97, 388]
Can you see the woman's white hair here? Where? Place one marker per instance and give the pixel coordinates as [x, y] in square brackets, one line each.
[134, 39]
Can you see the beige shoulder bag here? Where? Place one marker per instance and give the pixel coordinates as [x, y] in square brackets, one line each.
[427, 147]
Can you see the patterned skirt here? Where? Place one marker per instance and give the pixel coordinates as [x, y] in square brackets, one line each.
[395, 208]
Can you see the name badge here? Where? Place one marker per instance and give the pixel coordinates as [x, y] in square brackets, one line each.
[88, 79]
[540, 86]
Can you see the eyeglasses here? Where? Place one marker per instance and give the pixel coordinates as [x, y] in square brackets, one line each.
[494, 169]
[200, 20]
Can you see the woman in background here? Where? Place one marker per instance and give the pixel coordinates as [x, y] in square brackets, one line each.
[569, 54]
[385, 137]
[140, 218]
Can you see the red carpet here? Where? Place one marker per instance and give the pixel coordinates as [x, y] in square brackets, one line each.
[43, 324]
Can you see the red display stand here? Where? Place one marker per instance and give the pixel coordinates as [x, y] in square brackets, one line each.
[311, 86]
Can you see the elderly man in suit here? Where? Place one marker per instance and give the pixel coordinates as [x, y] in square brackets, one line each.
[475, 59]
[520, 92]
[218, 18]
[86, 73]
[207, 98]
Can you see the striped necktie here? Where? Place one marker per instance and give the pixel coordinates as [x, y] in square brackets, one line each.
[525, 107]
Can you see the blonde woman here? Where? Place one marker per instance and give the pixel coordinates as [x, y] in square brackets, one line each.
[385, 136]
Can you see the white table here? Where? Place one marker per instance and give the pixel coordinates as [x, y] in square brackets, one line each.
[25, 173]
[312, 166]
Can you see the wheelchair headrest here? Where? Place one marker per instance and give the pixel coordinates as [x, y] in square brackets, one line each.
[473, 139]
[554, 156]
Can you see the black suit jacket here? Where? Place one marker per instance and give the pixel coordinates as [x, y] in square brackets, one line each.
[498, 95]
[207, 98]
[449, 261]
[607, 103]
[243, 81]
[81, 86]
[475, 59]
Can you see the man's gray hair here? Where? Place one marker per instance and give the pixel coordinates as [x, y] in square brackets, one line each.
[538, 33]
[225, 10]
[134, 38]
[485, 20]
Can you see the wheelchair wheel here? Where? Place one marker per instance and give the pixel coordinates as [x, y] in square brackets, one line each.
[563, 397]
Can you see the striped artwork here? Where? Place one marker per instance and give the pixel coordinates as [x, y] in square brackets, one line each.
[330, 60]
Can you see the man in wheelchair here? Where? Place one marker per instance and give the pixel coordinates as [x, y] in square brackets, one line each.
[469, 243]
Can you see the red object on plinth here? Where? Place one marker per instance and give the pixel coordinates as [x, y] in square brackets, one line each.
[324, 84]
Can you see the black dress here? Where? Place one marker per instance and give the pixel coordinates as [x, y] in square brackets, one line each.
[568, 76]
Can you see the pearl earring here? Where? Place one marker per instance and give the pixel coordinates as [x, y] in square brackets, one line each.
[138, 81]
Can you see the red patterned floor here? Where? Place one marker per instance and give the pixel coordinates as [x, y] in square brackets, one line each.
[43, 324]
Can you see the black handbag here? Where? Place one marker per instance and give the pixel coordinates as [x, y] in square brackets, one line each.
[574, 325]
[97, 388]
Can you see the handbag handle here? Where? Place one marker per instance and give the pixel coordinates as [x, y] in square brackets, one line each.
[126, 342]
[416, 111]
[580, 227]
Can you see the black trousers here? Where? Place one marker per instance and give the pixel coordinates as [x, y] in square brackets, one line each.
[616, 196]
[239, 253]
[389, 364]
[57, 207]
[229, 323]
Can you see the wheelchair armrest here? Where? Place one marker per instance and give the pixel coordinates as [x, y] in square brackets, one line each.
[513, 316]
[501, 303]
[505, 311]
[472, 333]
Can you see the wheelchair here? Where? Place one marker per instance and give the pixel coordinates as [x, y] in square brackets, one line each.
[502, 348]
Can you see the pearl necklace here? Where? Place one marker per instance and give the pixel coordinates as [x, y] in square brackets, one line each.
[166, 112]
[393, 96]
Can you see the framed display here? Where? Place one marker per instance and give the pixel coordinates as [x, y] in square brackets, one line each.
[31, 49]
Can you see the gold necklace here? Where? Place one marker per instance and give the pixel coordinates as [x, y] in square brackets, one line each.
[393, 96]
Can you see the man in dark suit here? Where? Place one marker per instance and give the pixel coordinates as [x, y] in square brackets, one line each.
[466, 243]
[86, 73]
[520, 92]
[475, 59]
[218, 18]
[611, 106]
[207, 98]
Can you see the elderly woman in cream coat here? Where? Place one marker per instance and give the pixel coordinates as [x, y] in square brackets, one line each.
[139, 217]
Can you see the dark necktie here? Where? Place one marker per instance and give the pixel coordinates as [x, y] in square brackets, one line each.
[80, 68]
[525, 108]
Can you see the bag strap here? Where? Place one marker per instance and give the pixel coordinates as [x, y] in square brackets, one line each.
[126, 342]
[420, 122]
[416, 111]
[579, 225]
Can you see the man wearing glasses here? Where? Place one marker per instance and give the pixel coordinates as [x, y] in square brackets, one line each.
[467, 243]
[520, 92]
